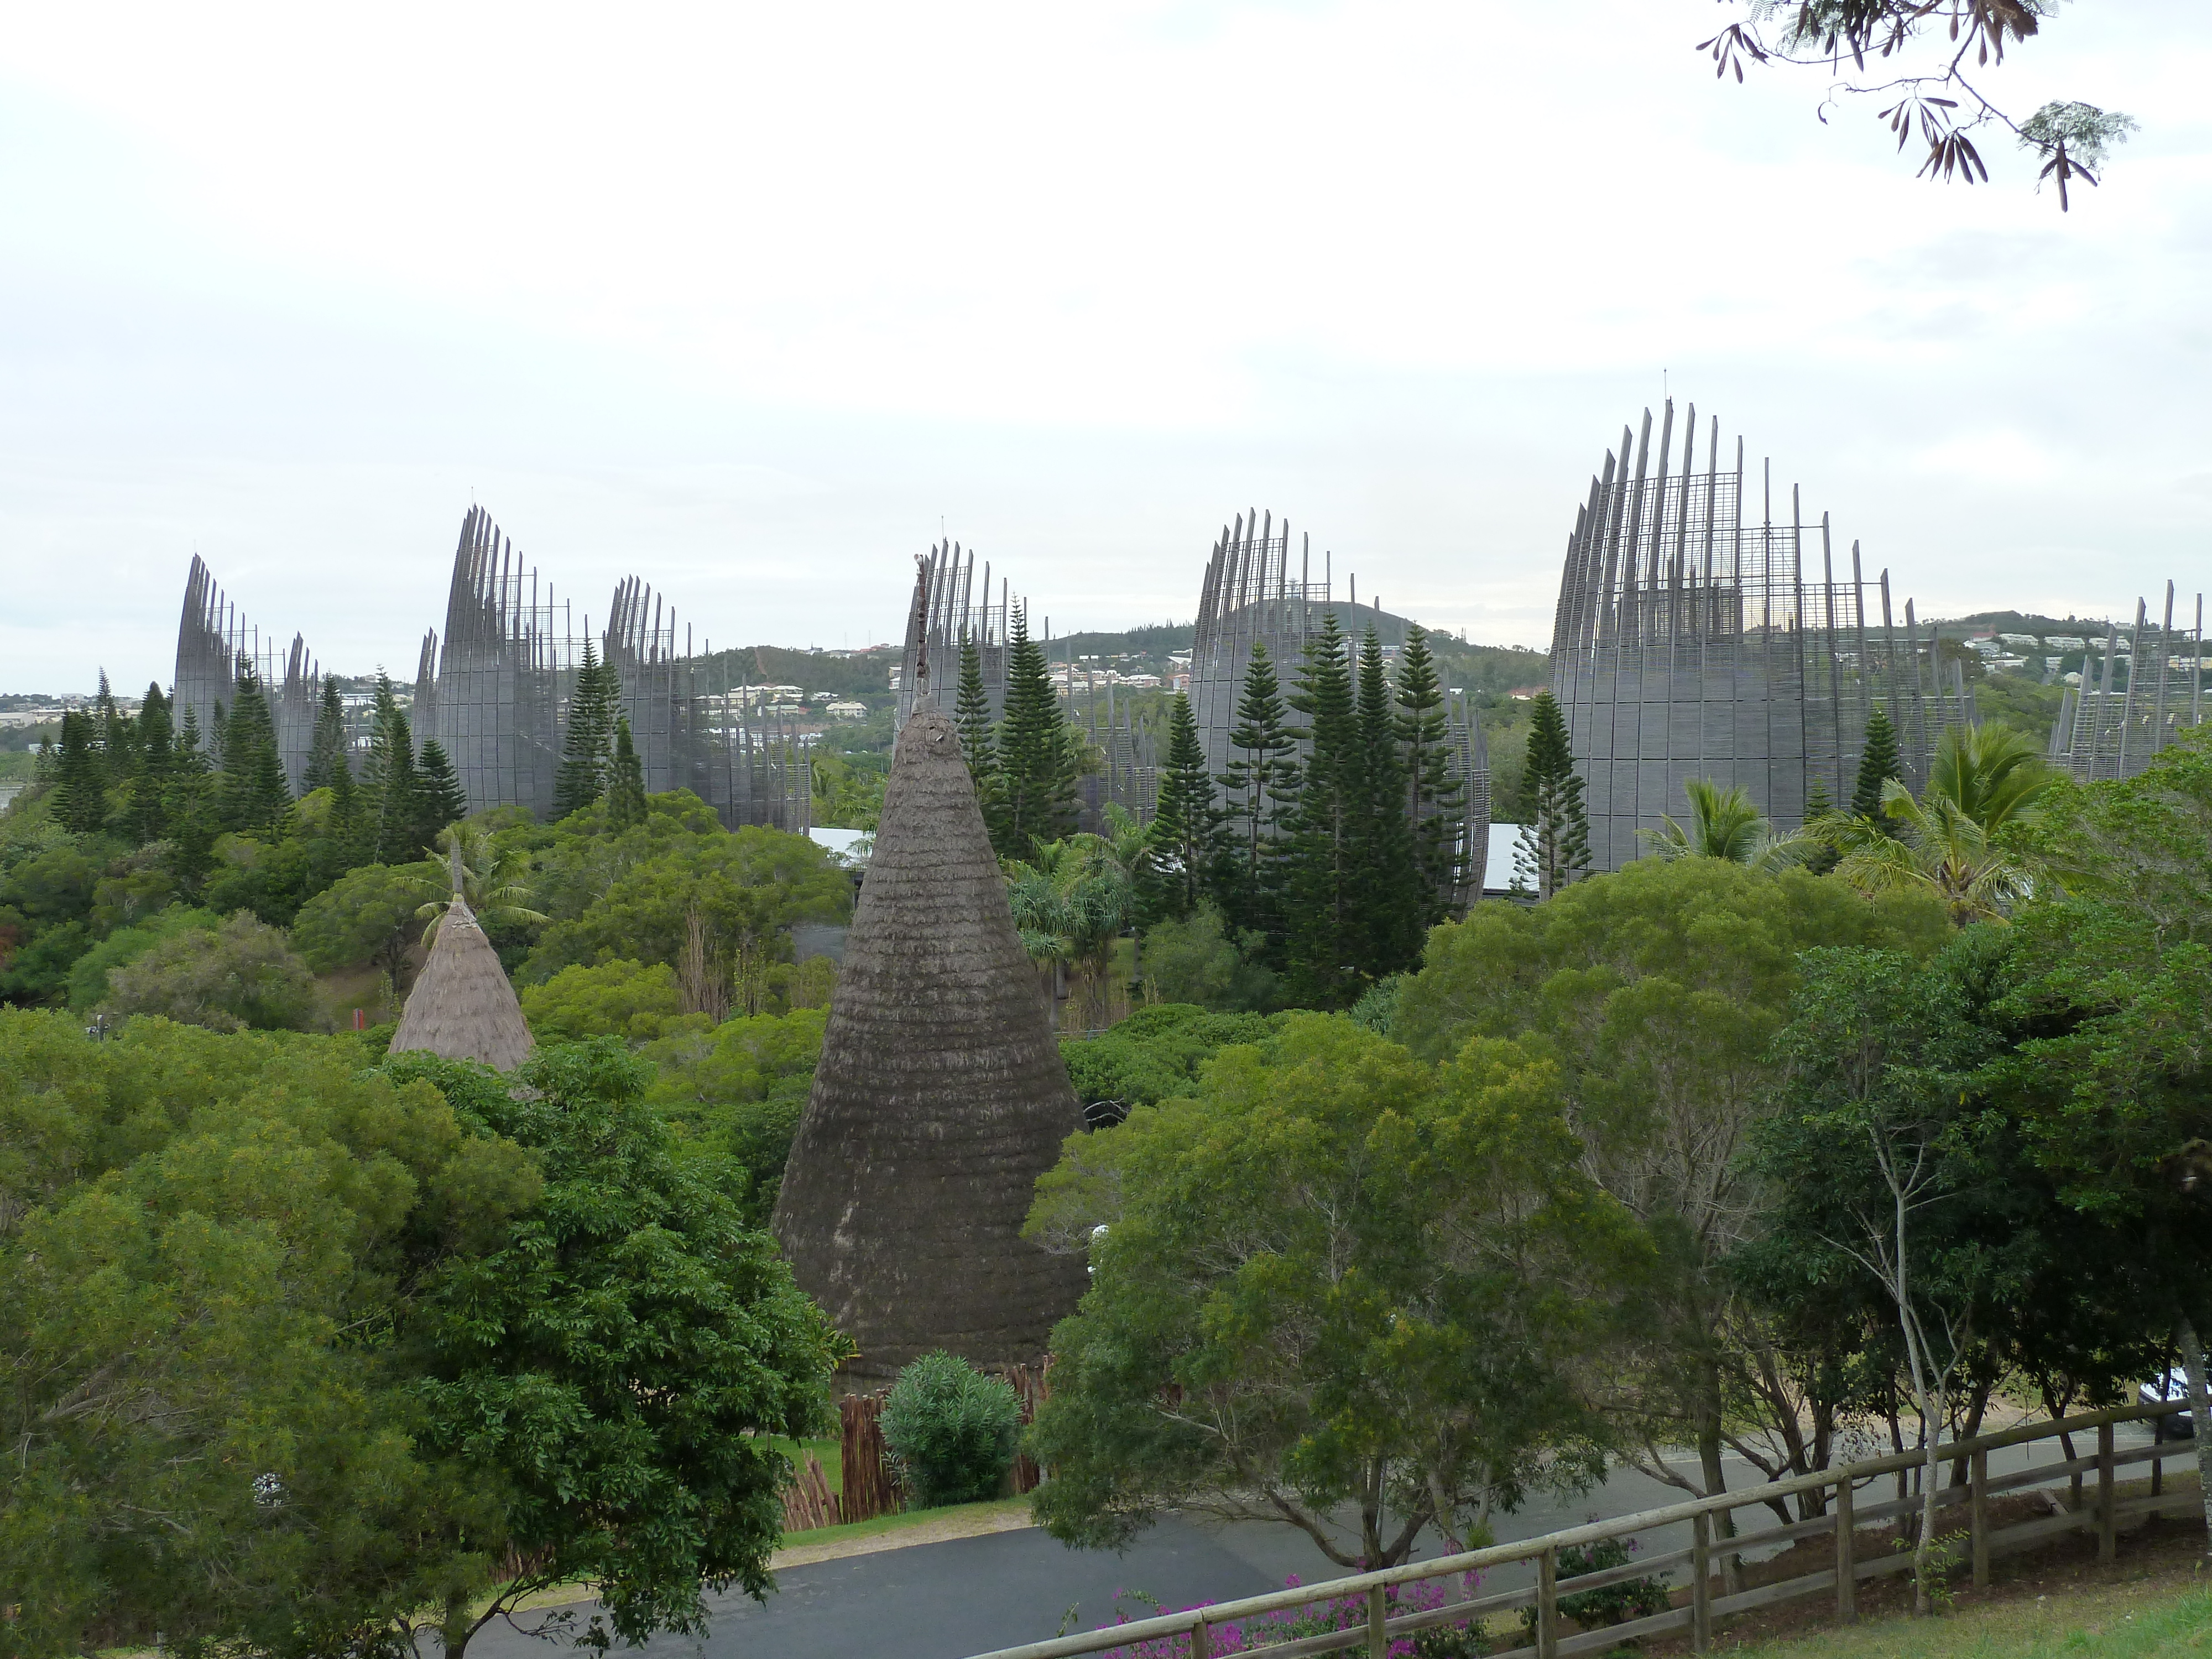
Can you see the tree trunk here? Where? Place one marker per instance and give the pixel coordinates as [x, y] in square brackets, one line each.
[458, 1625]
[2192, 1365]
[1715, 1476]
[1924, 1548]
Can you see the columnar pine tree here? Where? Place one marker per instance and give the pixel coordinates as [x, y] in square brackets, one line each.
[438, 792]
[211, 742]
[254, 794]
[586, 748]
[1396, 910]
[973, 717]
[1326, 943]
[1436, 799]
[1818, 805]
[390, 808]
[115, 735]
[326, 755]
[1877, 763]
[1261, 786]
[1554, 844]
[1185, 839]
[80, 779]
[1038, 760]
[625, 781]
[152, 758]
[190, 802]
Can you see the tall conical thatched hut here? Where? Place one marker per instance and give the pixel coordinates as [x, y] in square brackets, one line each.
[939, 1099]
[462, 1005]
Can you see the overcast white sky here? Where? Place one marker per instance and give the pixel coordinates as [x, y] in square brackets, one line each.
[748, 299]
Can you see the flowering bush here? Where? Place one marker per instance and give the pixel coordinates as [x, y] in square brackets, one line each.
[1461, 1641]
[1609, 1604]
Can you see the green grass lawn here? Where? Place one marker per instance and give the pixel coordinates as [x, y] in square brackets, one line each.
[905, 1518]
[2114, 1621]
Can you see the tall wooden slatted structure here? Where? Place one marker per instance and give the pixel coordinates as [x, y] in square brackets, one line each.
[213, 642]
[2139, 691]
[1691, 641]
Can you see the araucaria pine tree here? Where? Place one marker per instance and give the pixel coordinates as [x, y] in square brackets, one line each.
[586, 748]
[1397, 909]
[1877, 763]
[1184, 843]
[1554, 844]
[1436, 799]
[1038, 760]
[439, 789]
[146, 816]
[254, 794]
[973, 717]
[326, 754]
[392, 815]
[625, 781]
[1327, 942]
[80, 776]
[1260, 793]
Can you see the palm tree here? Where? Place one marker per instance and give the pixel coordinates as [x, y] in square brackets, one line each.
[1724, 824]
[1991, 773]
[492, 881]
[1072, 898]
[1983, 780]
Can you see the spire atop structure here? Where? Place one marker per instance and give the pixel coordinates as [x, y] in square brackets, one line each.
[939, 1099]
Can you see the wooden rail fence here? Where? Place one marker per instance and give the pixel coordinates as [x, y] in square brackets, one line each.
[1708, 1553]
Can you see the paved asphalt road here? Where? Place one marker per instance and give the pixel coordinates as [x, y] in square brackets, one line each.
[970, 1595]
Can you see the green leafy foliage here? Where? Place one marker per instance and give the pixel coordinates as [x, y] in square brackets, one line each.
[625, 998]
[88, 976]
[1333, 1275]
[244, 976]
[1196, 960]
[751, 885]
[191, 1223]
[618, 1365]
[735, 1093]
[1154, 1053]
[950, 1430]
[367, 915]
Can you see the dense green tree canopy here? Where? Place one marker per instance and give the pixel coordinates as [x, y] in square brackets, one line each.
[1333, 1275]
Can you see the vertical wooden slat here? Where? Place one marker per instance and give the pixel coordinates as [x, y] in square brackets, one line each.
[1847, 1559]
[1547, 1605]
[1979, 1517]
[1378, 1643]
[1701, 1585]
[2107, 1533]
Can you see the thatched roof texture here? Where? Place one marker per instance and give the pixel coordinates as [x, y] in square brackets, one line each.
[939, 1099]
[462, 1005]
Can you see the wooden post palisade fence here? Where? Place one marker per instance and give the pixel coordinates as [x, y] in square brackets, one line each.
[1698, 1614]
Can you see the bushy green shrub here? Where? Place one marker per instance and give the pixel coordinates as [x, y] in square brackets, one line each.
[951, 1432]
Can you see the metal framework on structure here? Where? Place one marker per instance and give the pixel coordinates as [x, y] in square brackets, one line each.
[214, 642]
[1249, 597]
[945, 612]
[698, 724]
[1688, 643]
[2110, 731]
[495, 692]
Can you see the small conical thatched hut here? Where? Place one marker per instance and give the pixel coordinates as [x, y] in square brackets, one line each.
[939, 1099]
[462, 1005]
